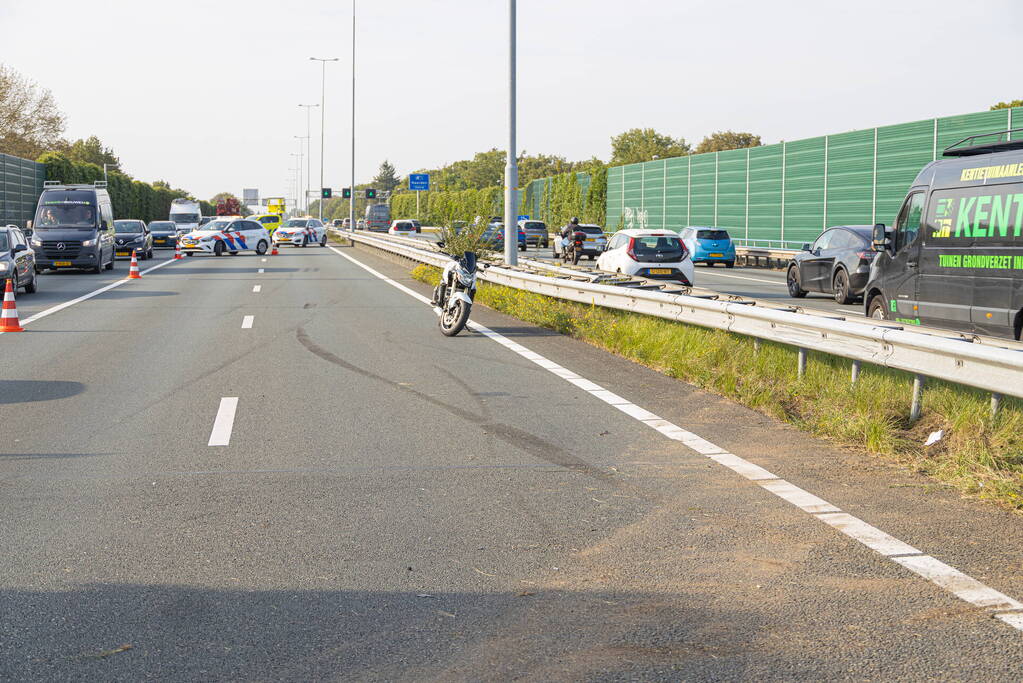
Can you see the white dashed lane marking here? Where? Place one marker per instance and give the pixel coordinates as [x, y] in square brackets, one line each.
[247, 322]
[964, 587]
[224, 422]
[257, 288]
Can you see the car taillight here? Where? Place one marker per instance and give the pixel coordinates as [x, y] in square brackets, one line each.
[865, 255]
[630, 251]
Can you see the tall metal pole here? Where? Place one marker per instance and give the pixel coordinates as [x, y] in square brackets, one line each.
[323, 115]
[298, 188]
[301, 153]
[511, 169]
[351, 202]
[308, 151]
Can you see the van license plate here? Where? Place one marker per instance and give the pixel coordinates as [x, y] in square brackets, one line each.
[718, 255]
[58, 264]
[660, 271]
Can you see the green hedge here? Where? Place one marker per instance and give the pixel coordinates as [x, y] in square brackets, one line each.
[131, 198]
[441, 208]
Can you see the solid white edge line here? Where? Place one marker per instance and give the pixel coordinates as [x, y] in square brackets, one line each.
[86, 297]
[247, 322]
[938, 573]
[224, 422]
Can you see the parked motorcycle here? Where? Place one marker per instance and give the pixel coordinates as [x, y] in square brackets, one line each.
[453, 296]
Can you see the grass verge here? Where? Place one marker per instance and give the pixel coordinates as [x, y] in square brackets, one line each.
[979, 456]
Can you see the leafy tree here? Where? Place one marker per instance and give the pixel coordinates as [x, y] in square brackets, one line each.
[30, 122]
[386, 179]
[92, 151]
[643, 144]
[1007, 105]
[228, 204]
[721, 141]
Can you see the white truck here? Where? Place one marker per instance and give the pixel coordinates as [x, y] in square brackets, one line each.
[186, 214]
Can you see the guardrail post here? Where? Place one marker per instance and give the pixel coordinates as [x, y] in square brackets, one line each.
[996, 403]
[801, 364]
[855, 371]
[918, 395]
[756, 345]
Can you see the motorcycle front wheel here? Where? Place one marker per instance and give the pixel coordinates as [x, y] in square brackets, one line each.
[453, 319]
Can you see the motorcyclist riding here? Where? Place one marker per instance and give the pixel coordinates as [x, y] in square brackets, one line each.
[568, 232]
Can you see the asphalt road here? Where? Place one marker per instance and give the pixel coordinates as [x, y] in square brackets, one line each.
[392, 504]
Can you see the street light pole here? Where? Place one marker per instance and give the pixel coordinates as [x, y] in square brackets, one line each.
[298, 189]
[300, 155]
[308, 151]
[323, 118]
[351, 202]
[511, 169]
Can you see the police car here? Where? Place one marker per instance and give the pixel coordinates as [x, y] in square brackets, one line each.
[299, 232]
[226, 233]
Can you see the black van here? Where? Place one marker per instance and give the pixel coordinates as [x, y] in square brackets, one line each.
[74, 227]
[954, 257]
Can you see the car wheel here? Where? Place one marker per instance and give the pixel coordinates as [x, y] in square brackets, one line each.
[593, 257]
[522, 247]
[234, 253]
[30, 288]
[729, 264]
[841, 283]
[261, 247]
[305, 241]
[710, 264]
[189, 253]
[98, 268]
[323, 242]
[792, 280]
[38, 269]
[876, 309]
[150, 253]
[218, 249]
[111, 262]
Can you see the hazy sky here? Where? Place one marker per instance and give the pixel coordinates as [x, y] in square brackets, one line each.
[205, 94]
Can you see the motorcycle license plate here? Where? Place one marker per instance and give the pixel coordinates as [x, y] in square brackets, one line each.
[718, 255]
[660, 271]
[58, 264]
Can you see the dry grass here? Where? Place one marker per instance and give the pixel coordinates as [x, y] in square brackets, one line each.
[980, 456]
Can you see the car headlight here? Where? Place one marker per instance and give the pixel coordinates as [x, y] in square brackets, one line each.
[3, 266]
[89, 243]
[36, 242]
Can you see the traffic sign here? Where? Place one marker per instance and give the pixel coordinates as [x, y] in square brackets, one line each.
[419, 181]
[524, 218]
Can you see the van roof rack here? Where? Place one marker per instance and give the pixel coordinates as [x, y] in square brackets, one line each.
[976, 144]
[51, 183]
[99, 183]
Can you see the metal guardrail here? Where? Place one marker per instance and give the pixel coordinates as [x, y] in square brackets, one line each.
[990, 368]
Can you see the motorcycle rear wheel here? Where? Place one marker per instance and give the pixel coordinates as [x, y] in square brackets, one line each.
[453, 320]
[575, 257]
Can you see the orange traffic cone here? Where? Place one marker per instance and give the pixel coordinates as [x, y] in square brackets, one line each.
[273, 252]
[9, 314]
[177, 250]
[133, 272]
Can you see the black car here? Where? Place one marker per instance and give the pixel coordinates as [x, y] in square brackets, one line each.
[837, 263]
[17, 261]
[165, 233]
[133, 235]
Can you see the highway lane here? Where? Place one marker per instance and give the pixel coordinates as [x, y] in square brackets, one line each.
[393, 504]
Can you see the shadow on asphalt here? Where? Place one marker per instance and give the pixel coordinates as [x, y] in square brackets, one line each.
[228, 271]
[30, 391]
[172, 632]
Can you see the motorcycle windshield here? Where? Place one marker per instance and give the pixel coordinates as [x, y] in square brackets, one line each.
[469, 262]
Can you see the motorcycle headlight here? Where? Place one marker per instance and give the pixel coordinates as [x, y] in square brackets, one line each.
[89, 243]
[465, 278]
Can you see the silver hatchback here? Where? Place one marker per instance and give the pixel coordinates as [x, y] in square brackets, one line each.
[536, 233]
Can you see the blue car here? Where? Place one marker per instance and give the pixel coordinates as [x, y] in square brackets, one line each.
[709, 245]
[494, 236]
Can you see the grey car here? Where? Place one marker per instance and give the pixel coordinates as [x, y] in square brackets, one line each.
[536, 233]
[165, 233]
[133, 235]
[17, 260]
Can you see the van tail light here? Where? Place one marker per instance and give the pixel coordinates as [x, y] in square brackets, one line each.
[630, 250]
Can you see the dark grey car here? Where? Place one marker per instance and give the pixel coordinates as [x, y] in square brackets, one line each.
[536, 233]
[165, 233]
[17, 260]
[837, 263]
[133, 235]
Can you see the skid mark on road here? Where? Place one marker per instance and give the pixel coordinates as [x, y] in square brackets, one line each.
[964, 587]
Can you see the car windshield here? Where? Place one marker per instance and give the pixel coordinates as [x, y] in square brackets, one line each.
[74, 209]
[185, 218]
[534, 225]
[711, 234]
[216, 225]
[4, 244]
[296, 223]
[162, 226]
[662, 247]
[130, 227]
